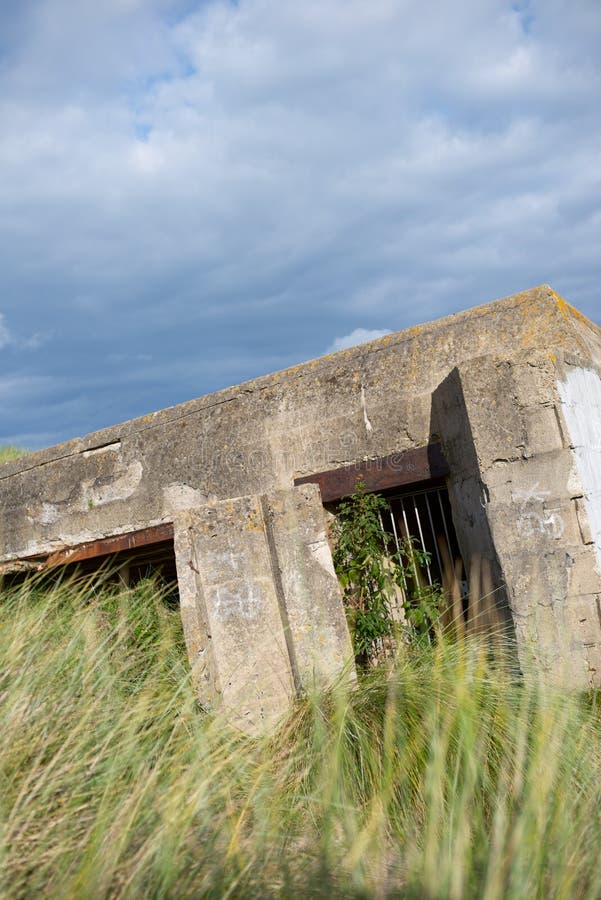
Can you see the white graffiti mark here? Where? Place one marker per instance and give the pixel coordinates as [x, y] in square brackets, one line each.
[245, 605]
[532, 522]
[226, 560]
[529, 495]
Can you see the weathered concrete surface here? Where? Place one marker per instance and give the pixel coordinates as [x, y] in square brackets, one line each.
[512, 458]
[257, 437]
[450, 423]
[262, 609]
[311, 598]
[231, 614]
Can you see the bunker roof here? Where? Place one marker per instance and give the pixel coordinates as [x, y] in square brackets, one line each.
[536, 319]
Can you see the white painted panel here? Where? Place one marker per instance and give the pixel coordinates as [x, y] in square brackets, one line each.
[581, 399]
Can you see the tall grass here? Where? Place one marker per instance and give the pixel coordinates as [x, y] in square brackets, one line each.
[8, 452]
[443, 777]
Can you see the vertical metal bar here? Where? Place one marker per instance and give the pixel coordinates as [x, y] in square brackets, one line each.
[421, 537]
[409, 540]
[402, 588]
[398, 548]
[434, 538]
[394, 531]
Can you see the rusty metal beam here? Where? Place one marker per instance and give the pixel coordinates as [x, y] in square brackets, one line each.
[106, 546]
[382, 473]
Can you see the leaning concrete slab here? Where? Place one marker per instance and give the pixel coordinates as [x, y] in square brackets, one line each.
[311, 599]
[231, 613]
[261, 606]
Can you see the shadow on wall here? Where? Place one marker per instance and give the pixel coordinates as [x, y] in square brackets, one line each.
[450, 425]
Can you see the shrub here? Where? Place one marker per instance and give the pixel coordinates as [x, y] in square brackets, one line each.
[373, 575]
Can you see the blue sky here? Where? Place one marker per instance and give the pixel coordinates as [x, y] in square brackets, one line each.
[197, 193]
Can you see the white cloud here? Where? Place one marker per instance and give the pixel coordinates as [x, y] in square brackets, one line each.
[357, 336]
[214, 179]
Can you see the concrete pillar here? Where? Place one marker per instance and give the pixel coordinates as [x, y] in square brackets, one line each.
[261, 607]
[518, 497]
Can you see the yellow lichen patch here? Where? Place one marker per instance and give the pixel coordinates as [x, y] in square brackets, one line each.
[530, 309]
[570, 311]
[563, 306]
[253, 523]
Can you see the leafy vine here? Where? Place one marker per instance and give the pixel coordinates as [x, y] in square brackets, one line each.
[377, 578]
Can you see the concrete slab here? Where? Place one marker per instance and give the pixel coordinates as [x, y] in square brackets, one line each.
[261, 606]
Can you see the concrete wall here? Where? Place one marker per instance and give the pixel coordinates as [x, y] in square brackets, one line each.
[370, 401]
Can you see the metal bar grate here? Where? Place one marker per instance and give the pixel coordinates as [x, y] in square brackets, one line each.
[424, 518]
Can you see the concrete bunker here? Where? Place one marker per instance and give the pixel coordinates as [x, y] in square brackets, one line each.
[501, 405]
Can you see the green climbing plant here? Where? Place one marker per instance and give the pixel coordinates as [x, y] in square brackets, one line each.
[371, 574]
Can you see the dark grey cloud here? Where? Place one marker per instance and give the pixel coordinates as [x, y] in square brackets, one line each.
[194, 193]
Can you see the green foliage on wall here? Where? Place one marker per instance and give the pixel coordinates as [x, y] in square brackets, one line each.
[376, 577]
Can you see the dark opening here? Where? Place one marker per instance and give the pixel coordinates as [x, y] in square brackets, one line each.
[130, 567]
[126, 567]
[425, 518]
[421, 513]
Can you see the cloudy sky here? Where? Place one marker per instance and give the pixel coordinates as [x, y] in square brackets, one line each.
[197, 192]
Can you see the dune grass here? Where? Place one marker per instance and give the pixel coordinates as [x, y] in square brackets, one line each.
[9, 452]
[444, 777]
